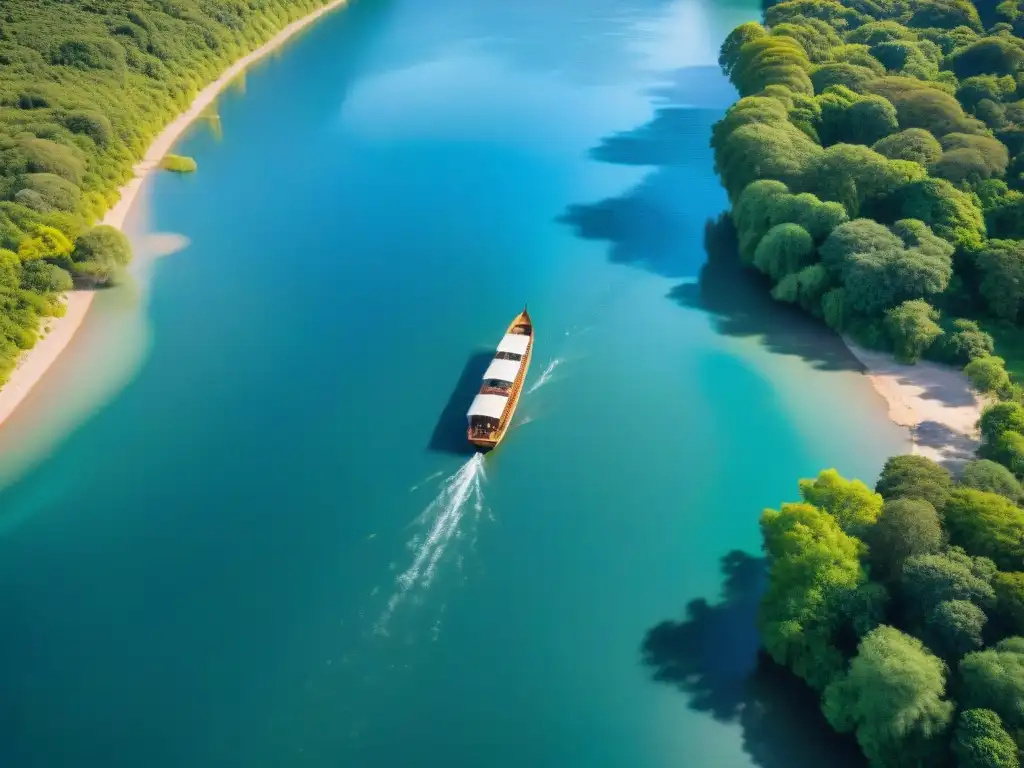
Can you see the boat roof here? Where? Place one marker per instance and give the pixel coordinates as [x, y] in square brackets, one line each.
[515, 343]
[491, 406]
[503, 370]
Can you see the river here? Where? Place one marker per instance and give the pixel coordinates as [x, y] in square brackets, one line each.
[239, 524]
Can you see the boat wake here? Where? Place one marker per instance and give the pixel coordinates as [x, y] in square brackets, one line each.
[546, 375]
[439, 525]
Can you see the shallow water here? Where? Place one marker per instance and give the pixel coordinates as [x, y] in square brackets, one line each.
[249, 531]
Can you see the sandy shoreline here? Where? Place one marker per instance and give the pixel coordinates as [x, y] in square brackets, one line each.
[934, 401]
[33, 364]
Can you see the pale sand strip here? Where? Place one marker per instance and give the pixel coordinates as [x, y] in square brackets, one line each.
[32, 365]
[936, 402]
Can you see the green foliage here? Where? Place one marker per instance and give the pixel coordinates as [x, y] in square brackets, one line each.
[952, 214]
[905, 528]
[915, 477]
[816, 37]
[988, 374]
[880, 268]
[913, 327]
[988, 525]
[893, 698]
[850, 118]
[962, 341]
[854, 506]
[44, 278]
[832, 13]
[988, 56]
[927, 580]
[969, 159]
[945, 14]
[814, 574]
[1001, 266]
[729, 53]
[994, 679]
[178, 164]
[987, 475]
[784, 250]
[954, 627]
[765, 61]
[982, 742]
[875, 32]
[1009, 589]
[923, 105]
[84, 88]
[914, 144]
[767, 204]
[855, 175]
[852, 76]
[974, 90]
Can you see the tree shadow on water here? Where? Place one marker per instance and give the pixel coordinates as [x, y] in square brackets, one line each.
[713, 657]
[740, 304]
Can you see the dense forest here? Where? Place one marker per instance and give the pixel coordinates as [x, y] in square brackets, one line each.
[85, 85]
[875, 167]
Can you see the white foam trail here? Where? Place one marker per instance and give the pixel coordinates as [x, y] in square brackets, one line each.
[426, 480]
[545, 376]
[443, 515]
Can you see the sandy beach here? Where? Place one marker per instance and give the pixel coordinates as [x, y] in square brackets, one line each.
[33, 364]
[934, 401]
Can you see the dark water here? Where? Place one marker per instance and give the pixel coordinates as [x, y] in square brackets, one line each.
[263, 543]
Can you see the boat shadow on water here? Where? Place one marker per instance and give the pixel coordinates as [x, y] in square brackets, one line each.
[713, 656]
[449, 435]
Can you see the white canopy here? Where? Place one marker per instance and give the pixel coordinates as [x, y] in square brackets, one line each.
[515, 343]
[503, 370]
[491, 406]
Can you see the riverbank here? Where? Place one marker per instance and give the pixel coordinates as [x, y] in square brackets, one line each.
[34, 363]
[934, 401]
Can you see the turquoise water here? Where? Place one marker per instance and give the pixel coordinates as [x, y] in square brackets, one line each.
[257, 539]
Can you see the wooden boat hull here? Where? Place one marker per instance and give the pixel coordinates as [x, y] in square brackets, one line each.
[494, 437]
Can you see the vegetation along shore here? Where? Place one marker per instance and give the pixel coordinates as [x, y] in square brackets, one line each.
[92, 98]
[875, 168]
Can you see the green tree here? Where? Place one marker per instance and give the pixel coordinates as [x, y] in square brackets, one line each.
[893, 698]
[45, 243]
[988, 525]
[913, 327]
[1001, 265]
[986, 475]
[1008, 450]
[816, 37]
[45, 278]
[982, 742]
[994, 679]
[988, 374]
[905, 528]
[765, 61]
[853, 175]
[1000, 417]
[952, 214]
[915, 477]
[962, 342]
[100, 251]
[729, 53]
[875, 32]
[834, 14]
[785, 249]
[914, 144]
[947, 14]
[927, 580]
[954, 627]
[988, 56]
[814, 573]
[849, 117]
[852, 76]
[1009, 589]
[923, 105]
[854, 506]
[974, 90]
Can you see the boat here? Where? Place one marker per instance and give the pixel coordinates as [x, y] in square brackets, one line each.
[491, 411]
